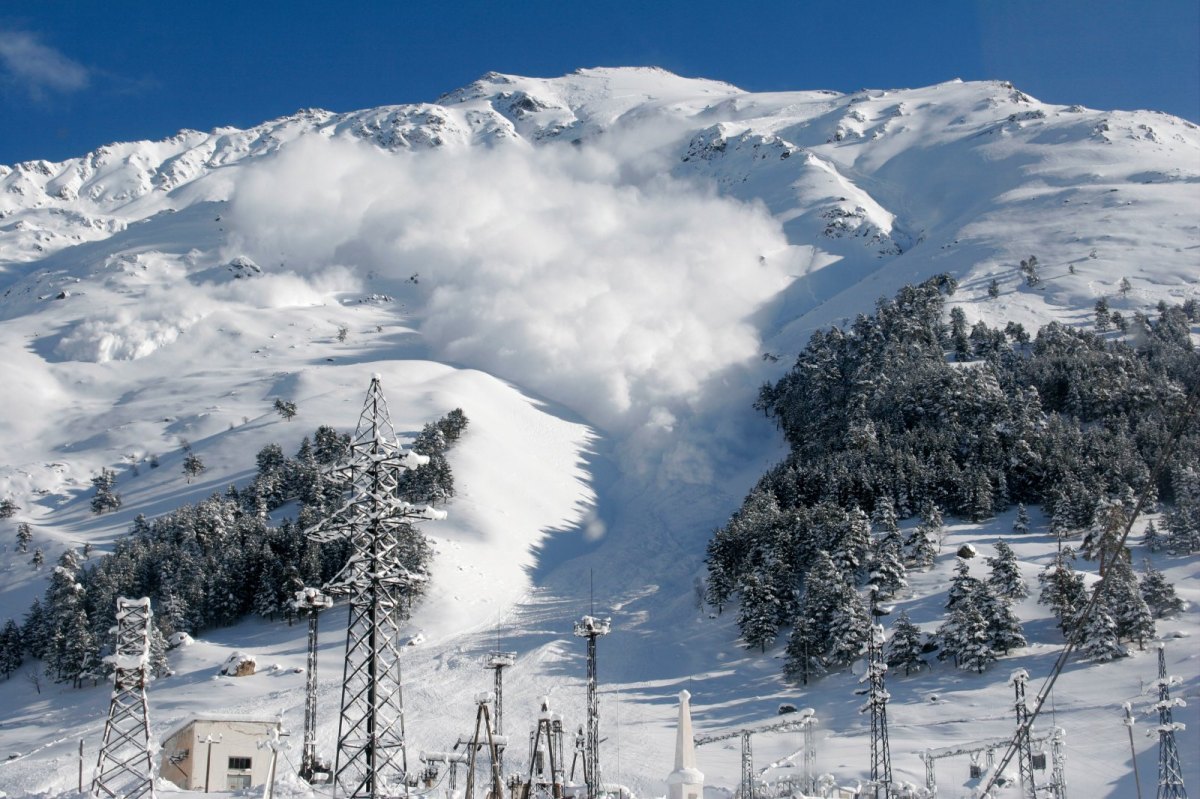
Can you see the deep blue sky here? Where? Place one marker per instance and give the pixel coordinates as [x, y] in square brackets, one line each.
[75, 75]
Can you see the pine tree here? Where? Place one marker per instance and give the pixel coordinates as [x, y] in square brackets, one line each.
[34, 630]
[803, 653]
[993, 289]
[849, 627]
[1063, 589]
[1005, 579]
[286, 409]
[193, 467]
[1100, 641]
[964, 636]
[1152, 539]
[906, 647]
[105, 499]
[1130, 611]
[850, 551]
[757, 616]
[963, 586]
[1003, 627]
[38, 560]
[1159, 594]
[921, 549]
[887, 575]
[11, 648]
[1103, 318]
[883, 520]
[1107, 529]
[8, 508]
[1021, 523]
[24, 536]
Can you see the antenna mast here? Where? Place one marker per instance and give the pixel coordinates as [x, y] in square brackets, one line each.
[591, 628]
[310, 602]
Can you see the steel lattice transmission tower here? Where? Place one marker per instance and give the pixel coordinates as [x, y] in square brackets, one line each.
[497, 662]
[591, 628]
[876, 704]
[371, 755]
[124, 768]
[311, 602]
[1020, 678]
[1170, 775]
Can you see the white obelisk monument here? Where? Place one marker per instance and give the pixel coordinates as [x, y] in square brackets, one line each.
[686, 781]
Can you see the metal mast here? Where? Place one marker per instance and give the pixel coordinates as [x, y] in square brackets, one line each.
[1024, 749]
[1170, 776]
[876, 704]
[591, 628]
[310, 602]
[371, 754]
[498, 661]
[124, 768]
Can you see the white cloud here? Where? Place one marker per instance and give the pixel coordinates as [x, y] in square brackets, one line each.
[37, 67]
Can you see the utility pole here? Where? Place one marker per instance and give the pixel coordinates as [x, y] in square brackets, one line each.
[310, 602]
[1020, 678]
[123, 769]
[876, 704]
[371, 750]
[1170, 775]
[591, 628]
[1128, 720]
[274, 742]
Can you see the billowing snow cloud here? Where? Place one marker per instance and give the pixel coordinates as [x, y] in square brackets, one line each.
[619, 296]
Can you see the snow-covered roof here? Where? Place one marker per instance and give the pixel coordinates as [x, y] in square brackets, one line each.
[226, 717]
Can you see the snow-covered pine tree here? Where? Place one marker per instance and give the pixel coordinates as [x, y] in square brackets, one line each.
[24, 536]
[1021, 523]
[1005, 579]
[71, 650]
[963, 636]
[1003, 627]
[34, 630]
[8, 508]
[38, 560]
[1160, 595]
[1101, 541]
[11, 648]
[963, 585]
[922, 551]
[906, 645]
[849, 627]
[886, 568]
[193, 467]
[883, 519]
[757, 613]
[1063, 589]
[851, 550]
[105, 498]
[803, 653]
[1100, 640]
[1135, 622]
[1183, 522]
[1152, 539]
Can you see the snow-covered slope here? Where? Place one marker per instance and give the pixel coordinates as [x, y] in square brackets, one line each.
[592, 267]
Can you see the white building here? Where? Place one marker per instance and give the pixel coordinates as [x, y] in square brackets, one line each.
[686, 781]
[220, 750]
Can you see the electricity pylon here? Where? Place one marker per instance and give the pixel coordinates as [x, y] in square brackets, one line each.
[876, 704]
[124, 770]
[371, 755]
[1170, 775]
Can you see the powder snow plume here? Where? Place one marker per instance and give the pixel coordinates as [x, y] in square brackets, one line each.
[547, 267]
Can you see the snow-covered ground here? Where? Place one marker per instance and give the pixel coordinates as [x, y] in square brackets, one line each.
[592, 267]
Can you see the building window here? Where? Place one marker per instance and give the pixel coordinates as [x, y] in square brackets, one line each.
[236, 782]
[239, 764]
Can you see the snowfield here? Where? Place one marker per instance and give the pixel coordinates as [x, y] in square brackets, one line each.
[600, 270]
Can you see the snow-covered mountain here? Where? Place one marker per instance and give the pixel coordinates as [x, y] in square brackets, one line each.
[593, 267]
